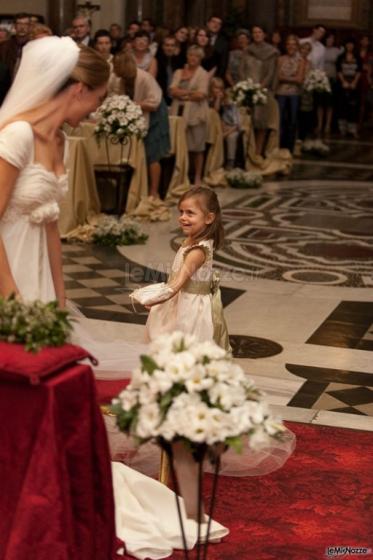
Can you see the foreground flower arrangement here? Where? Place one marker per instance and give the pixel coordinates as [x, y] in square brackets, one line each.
[241, 179]
[34, 324]
[193, 392]
[119, 118]
[248, 94]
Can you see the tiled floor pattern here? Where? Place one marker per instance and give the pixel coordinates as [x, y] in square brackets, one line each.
[305, 336]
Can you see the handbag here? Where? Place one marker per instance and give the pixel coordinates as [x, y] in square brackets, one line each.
[152, 294]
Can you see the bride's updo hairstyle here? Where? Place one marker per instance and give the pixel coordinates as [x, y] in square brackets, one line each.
[91, 69]
[208, 202]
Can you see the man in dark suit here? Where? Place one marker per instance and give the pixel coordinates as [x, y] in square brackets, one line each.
[219, 44]
[11, 50]
[82, 31]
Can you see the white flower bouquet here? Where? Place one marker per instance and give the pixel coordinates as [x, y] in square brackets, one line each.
[248, 93]
[192, 392]
[241, 179]
[317, 81]
[316, 147]
[119, 118]
[110, 232]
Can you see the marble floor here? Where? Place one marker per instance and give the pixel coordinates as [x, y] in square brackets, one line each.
[297, 277]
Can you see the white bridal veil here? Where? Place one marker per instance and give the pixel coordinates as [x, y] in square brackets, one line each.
[46, 64]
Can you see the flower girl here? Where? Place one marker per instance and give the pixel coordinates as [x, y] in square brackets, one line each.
[194, 304]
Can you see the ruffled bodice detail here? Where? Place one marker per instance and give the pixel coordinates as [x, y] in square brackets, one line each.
[36, 196]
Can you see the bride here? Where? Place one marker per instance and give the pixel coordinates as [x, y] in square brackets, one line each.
[59, 82]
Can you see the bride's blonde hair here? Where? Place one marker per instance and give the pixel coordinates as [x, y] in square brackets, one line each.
[91, 69]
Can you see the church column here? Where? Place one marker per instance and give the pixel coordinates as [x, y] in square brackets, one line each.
[60, 14]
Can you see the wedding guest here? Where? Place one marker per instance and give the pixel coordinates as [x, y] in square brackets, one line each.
[167, 63]
[317, 54]
[182, 41]
[133, 28]
[210, 59]
[219, 43]
[291, 73]
[82, 30]
[326, 102]
[143, 89]
[230, 119]
[305, 124]
[141, 52]
[349, 68]
[366, 80]
[11, 50]
[148, 26]
[189, 91]
[4, 34]
[266, 58]
[103, 44]
[116, 35]
[276, 41]
[235, 59]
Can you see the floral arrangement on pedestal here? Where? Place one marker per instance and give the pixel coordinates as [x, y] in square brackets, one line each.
[192, 391]
[34, 324]
[248, 94]
[118, 119]
[241, 179]
[317, 81]
[191, 399]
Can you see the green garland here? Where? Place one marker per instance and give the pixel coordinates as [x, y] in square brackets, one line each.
[34, 324]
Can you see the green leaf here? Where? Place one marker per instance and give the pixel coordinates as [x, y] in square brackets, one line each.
[236, 443]
[148, 364]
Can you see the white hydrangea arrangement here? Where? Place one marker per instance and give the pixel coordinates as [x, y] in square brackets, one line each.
[318, 81]
[241, 179]
[248, 94]
[119, 118]
[192, 391]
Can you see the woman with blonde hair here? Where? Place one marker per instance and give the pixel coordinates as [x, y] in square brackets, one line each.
[143, 89]
[189, 92]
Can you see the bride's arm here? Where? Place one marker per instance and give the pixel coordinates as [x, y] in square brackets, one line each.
[8, 177]
[55, 261]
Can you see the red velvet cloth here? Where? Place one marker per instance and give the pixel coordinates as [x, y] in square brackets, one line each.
[56, 497]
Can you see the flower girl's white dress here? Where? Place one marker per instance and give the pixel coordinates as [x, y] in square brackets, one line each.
[145, 509]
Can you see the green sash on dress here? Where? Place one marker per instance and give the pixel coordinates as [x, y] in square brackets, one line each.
[211, 287]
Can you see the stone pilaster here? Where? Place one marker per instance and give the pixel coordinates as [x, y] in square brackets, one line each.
[60, 14]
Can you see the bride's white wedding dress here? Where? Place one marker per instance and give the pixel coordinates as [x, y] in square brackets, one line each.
[146, 516]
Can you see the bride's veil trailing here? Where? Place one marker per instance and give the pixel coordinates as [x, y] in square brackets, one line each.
[46, 64]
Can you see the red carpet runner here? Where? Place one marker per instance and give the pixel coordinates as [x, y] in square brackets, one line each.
[322, 497]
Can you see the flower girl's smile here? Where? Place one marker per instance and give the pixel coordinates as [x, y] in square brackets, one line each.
[193, 219]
